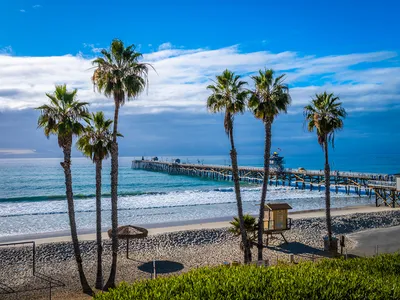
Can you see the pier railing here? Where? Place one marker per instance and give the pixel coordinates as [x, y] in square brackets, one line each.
[347, 182]
[380, 183]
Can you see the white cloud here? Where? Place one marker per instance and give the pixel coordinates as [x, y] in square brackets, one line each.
[165, 46]
[37, 6]
[92, 48]
[16, 151]
[22, 10]
[6, 50]
[182, 76]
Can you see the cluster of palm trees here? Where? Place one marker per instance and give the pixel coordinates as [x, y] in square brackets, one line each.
[270, 97]
[119, 75]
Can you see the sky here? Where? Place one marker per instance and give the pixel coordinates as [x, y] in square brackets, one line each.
[350, 48]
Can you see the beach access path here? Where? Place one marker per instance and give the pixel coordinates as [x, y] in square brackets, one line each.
[161, 228]
[373, 241]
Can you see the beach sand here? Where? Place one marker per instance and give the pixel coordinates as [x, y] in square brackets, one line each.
[158, 228]
[180, 247]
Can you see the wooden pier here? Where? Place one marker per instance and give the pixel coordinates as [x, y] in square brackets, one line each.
[382, 185]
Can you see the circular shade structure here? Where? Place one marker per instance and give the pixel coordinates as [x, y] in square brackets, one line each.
[129, 232]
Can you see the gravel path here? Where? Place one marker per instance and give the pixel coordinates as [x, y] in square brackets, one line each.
[184, 250]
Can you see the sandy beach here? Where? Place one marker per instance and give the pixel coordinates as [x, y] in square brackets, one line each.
[158, 228]
[178, 249]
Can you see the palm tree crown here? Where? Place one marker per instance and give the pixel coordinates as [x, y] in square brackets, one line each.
[229, 95]
[325, 114]
[119, 74]
[96, 140]
[270, 97]
[62, 116]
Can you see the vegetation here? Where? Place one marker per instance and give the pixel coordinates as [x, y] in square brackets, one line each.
[118, 75]
[325, 114]
[250, 225]
[269, 98]
[61, 117]
[95, 143]
[229, 96]
[361, 278]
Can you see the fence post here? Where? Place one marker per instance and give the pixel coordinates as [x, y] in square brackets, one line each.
[154, 269]
[34, 259]
[291, 258]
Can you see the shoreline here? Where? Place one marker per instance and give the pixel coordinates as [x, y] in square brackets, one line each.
[167, 227]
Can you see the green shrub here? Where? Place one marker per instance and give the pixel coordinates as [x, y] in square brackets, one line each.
[360, 278]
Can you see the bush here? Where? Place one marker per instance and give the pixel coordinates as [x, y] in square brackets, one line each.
[360, 278]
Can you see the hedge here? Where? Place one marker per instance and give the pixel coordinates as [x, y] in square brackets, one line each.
[359, 278]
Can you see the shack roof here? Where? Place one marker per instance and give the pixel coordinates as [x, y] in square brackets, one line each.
[277, 206]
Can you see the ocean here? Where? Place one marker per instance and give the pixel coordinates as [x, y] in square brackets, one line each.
[32, 193]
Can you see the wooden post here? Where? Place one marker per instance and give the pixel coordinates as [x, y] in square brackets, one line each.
[127, 248]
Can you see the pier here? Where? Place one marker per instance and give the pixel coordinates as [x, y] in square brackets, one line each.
[383, 186]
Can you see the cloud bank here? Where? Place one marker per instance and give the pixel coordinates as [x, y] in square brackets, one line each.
[364, 81]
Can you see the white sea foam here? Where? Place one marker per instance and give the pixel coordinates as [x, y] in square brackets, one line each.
[49, 216]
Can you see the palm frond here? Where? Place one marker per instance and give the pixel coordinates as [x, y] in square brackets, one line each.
[119, 74]
[325, 114]
[62, 115]
[270, 96]
[96, 139]
[228, 95]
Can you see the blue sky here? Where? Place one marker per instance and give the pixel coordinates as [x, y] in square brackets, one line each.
[347, 47]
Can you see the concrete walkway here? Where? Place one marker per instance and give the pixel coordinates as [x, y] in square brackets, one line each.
[383, 240]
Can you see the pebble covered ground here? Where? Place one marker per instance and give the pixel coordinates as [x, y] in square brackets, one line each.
[183, 250]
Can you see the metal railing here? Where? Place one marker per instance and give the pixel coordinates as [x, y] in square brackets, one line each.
[381, 183]
[33, 252]
[52, 283]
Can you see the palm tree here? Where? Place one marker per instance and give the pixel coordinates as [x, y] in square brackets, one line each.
[325, 113]
[250, 226]
[61, 117]
[229, 96]
[119, 75]
[95, 143]
[270, 97]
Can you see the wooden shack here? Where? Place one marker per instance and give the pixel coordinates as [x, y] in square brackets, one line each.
[276, 219]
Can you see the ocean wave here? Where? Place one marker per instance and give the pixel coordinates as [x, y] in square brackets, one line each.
[119, 209]
[76, 196]
[122, 194]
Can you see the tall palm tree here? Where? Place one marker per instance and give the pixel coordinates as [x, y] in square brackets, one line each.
[270, 97]
[118, 75]
[95, 143]
[229, 96]
[62, 117]
[325, 114]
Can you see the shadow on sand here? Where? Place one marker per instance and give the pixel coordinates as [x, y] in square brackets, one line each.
[162, 266]
[298, 249]
[301, 249]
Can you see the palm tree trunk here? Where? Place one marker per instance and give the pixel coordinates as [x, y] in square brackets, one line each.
[235, 175]
[114, 200]
[267, 154]
[99, 276]
[66, 164]
[327, 194]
